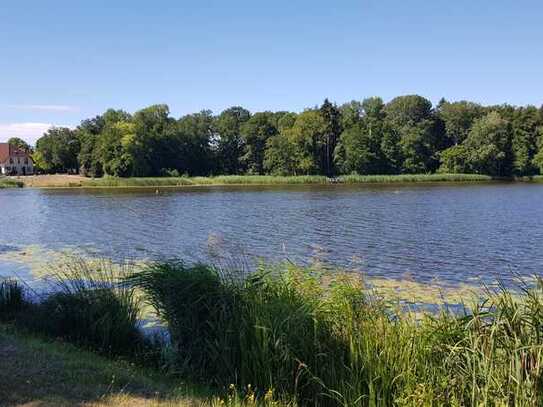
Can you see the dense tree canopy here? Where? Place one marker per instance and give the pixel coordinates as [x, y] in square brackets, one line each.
[405, 135]
[19, 143]
[57, 150]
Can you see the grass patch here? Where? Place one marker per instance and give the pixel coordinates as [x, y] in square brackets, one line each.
[202, 181]
[72, 181]
[224, 180]
[10, 183]
[408, 178]
[278, 180]
[51, 373]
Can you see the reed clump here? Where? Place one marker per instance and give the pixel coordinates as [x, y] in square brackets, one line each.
[12, 299]
[319, 338]
[89, 304]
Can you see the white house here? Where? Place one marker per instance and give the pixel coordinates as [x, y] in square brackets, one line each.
[15, 161]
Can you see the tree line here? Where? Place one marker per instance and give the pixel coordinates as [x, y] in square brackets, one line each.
[406, 135]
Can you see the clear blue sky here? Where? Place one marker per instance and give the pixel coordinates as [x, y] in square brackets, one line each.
[62, 61]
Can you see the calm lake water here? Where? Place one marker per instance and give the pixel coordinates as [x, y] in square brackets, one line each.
[455, 233]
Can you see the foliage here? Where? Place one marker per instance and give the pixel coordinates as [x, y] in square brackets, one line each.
[455, 160]
[19, 143]
[12, 298]
[405, 135]
[229, 143]
[360, 146]
[255, 133]
[538, 158]
[489, 146]
[57, 150]
[458, 118]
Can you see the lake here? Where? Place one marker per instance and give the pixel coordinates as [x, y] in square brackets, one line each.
[452, 233]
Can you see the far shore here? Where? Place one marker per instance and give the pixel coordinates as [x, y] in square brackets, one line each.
[77, 181]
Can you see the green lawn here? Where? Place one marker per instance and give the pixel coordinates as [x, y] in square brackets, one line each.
[49, 373]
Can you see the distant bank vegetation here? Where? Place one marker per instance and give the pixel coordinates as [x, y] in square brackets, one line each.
[407, 135]
[9, 183]
[276, 180]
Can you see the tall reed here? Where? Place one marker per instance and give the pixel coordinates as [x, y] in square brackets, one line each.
[91, 305]
[12, 299]
[321, 339]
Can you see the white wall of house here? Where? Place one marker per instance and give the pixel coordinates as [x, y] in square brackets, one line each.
[18, 165]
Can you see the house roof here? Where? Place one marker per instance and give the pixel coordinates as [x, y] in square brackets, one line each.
[7, 151]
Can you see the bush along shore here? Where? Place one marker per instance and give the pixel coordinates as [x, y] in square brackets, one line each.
[291, 335]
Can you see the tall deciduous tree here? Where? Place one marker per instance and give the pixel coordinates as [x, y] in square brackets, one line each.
[255, 133]
[489, 146]
[332, 121]
[20, 143]
[229, 144]
[360, 146]
[458, 118]
[192, 142]
[298, 149]
[525, 126]
[413, 123]
[57, 150]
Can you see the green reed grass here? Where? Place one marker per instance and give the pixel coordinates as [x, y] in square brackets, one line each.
[92, 306]
[407, 178]
[278, 180]
[307, 335]
[12, 298]
[202, 181]
[88, 304]
[9, 183]
[320, 339]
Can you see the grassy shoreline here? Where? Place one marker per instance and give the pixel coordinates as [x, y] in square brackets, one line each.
[73, 181]
[283, 335]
